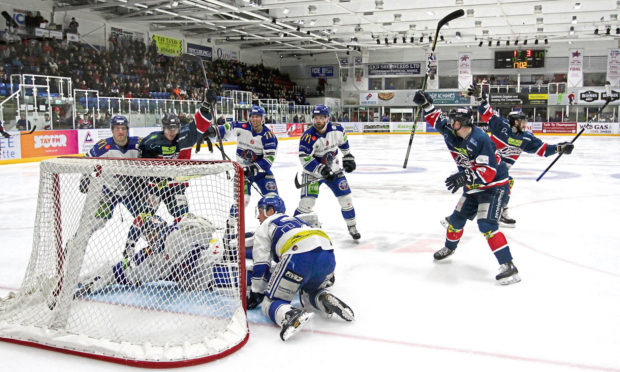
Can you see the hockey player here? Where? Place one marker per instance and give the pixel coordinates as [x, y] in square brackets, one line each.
[511, 139]
[123, 189]
[318, 153]
[483, 177]
[184, 253]
[175, 142]
[2, 132]
[257, 147]
[305, 262]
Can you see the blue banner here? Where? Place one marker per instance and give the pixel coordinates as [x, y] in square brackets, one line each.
[322, 71]
[449, 98]
[201, 51]
[394, 69]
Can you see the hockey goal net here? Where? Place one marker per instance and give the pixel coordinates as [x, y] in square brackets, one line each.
[134, 261]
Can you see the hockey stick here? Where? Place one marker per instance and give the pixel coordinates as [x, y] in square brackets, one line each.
[575, 138]
[300, 185]
[450, 17]
[198, 60]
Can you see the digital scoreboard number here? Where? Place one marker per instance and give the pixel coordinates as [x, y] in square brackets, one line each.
[528, 58]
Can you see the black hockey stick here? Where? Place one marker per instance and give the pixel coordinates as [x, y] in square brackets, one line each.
[574, 139]
[450, 17]
[198, 60]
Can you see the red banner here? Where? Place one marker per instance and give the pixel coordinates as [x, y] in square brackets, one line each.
[556, 127]
[49, 143]
[295, 130]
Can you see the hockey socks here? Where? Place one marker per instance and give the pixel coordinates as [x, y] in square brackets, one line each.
[499, 246]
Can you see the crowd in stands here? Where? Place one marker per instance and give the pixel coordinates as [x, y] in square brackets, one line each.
[132, 69]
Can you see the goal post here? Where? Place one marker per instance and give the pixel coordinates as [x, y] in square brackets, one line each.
[134, 261]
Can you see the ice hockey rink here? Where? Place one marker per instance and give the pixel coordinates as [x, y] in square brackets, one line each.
[414, 314]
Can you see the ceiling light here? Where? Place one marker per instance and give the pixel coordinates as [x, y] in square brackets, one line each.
[312, 22]
[596, 31]
[336, 21]
[470, 12]
[285, 11]
[311, 9]
[572, 30]
[412, 26]
[525, 42]
[537, 9]
[458, 2]
[430, 13]
[539, 21]
[507, 42]
[577, 5]
[480, 43]
[379, 4]
[490, 42]
[478, 23]
[540, 29]
[536, 42]
[458, 35]
[174, 4]
[546, 41]
[574, 21]
[497, 44]
[397, 17]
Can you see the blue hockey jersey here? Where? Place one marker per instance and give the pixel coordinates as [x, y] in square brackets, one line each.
[109, 149]
[316, 149]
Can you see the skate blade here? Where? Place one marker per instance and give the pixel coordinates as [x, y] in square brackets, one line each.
[510, 280]
[301, 322]
[335, 306]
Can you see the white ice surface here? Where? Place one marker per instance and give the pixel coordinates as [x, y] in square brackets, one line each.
[413, 313]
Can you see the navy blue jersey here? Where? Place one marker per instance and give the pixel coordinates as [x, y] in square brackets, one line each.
[156, 146]
[510, 144]
[476, 152]
[109, 149]
[316, 149]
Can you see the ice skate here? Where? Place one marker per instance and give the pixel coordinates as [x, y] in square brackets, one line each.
[445, 222]
[443, 253]
[354, 233]
[333, 305]
[508, 274]
[505, 219]
[294, 321]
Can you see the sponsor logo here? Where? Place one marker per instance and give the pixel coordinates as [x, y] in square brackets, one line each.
[47, 141]
[343, 185]
[588, 96]
[291, 275]
[270, 186]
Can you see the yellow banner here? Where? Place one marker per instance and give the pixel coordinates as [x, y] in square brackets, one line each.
[168, 46]
[533, 96]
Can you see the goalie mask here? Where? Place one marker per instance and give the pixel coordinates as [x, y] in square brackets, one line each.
[153, 229]
[517, 121]
[463, 115]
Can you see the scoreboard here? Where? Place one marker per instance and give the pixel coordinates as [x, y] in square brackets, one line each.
[527, 58]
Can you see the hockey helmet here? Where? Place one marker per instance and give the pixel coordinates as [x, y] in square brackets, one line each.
[257, 110]
[119, 120]
[320, 110]
[515, 117]
[273, 201]
[463, 115]
[170, 120]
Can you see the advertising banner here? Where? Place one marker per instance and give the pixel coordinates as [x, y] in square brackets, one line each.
[227, 54]
[556, 127]
[10, 148]
[322, 71]
[575, 68]
[613, 67]
[405, 127]
[352, 126]
[369, 99]
[49, 143]
[87, 138]
[599, 128]
[505, 99]
[375, 69]
[201, 51]
[168, 46]
[449, 98]
[465, 76]
[596, 96]
[295, 130]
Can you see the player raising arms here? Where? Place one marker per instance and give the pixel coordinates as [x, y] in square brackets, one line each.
[257, 147]
[175, 142]
[511, 138]
[318, 153]
[483, 177]
[305, 262]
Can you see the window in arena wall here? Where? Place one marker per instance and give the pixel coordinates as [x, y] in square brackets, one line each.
[375, 83]
[592, 79]
[448, 82]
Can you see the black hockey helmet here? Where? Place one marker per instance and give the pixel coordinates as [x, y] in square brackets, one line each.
[515, 117]
[171, 120]
[463, 115]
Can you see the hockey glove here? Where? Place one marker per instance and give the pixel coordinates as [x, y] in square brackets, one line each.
[423, 99]
[254, 299]
[327, 173]
[460, 179]
[565, 148]
[348, 163]
[84, 183]
[251, 171]
[5, 134]
[475, 91]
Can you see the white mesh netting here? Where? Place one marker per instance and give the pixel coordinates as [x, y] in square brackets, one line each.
[134, 260]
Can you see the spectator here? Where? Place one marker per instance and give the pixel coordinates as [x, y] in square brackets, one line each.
[73, 26]
[47, 122]
[22, 123]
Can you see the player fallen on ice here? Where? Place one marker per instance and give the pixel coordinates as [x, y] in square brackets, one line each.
[318, 153]
[511, 138]
[184, 253]
[482, 176]
[257, 147]
[305, 262]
